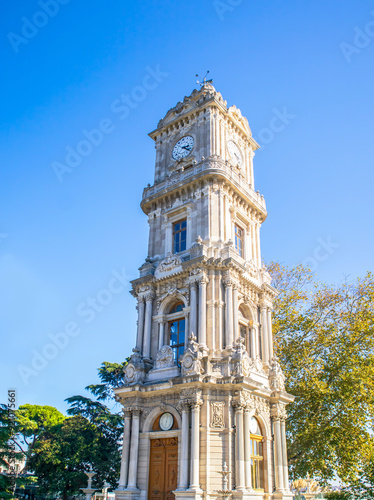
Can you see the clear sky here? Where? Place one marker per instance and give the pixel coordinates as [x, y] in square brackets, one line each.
[65, 238]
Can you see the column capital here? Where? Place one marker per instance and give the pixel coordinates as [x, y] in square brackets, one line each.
[184, 406]
[149, 296]
[136, 412]
[195, 405]
[278, 412]
[203, 280]
[126, 412]
[238, 406]
[227, 282]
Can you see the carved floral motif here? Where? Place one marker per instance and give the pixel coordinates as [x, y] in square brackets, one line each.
[217, 414]
[170, 265]
[164, 358]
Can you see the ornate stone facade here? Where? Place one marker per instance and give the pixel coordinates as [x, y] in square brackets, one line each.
[203, 368]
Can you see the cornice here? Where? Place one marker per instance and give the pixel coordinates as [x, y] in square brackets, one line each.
[215, 170]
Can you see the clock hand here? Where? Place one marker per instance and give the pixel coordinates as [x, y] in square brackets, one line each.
[188, 148]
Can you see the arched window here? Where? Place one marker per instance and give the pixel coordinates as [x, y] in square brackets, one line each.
[177, 330]
[257, 455]
[245, 330]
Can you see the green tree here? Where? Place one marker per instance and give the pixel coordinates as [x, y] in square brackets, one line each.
[64, 452]
[31, 422]
[10, 451]
[324, 338]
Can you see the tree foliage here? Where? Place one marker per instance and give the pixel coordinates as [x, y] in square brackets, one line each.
[324, 338]
[31, 422]
[66, 451]
[111, 376]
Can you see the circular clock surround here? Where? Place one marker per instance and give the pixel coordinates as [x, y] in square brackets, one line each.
[234, 152]
[166, 421]
[254, 427]
[183, 147]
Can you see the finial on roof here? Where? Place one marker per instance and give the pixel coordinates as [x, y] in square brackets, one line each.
[205, 81]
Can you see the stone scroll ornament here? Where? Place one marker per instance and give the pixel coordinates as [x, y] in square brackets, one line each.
[276, 377]
[191, 359]
[134, 370]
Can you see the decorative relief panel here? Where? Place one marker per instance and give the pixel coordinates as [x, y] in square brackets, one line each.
[217, 414]
[164, 358]
[170, 265]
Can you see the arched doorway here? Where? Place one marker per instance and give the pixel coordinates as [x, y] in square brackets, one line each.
[163, 460]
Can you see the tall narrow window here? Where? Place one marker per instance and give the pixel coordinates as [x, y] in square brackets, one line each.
[239, 240]
[179, 236]
[257, 456]
[245, 330]
[177, 330]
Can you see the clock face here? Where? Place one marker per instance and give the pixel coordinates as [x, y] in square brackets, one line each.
[234, 152]
[166, 421]
[183, 147]
[253, 426]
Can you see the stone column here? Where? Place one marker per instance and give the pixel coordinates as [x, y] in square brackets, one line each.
[229, 320]
[236, 332]
[195, 446]
[270, 334]
[185, 441]
[161, 339]
[258, 245]
[278, 457]
[193, 309]
[255, 346]
[125, 450]
[139, 336]
[265, 336]
[202, 311]
[284, 455]
[134, 450]
[240, 459]
[247, 448]
[147, 327]
[187, 327]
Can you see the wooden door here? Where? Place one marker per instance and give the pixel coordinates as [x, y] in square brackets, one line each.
[163, 469]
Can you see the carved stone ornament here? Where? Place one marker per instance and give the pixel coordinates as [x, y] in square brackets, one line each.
[164, 358]
[217, 414]
[191, 396]
[276, 377]
[164, 366]
[135, 370]
[191, 359]
[278, 411]
[242, 364]
[170, 265]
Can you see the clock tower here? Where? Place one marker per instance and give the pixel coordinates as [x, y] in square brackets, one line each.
[204, 399]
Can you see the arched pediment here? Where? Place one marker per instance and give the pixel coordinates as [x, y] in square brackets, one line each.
[148, 423]
[179, 110]
[169, 300]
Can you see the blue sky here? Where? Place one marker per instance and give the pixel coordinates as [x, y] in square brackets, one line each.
[62, 242]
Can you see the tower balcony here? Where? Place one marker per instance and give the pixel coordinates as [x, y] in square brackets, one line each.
[214, 166]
